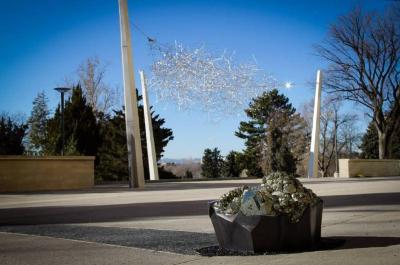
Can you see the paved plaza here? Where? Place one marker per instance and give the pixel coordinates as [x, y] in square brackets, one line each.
[165, 223]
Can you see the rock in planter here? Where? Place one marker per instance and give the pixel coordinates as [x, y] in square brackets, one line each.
[278, 215]
[262, 233]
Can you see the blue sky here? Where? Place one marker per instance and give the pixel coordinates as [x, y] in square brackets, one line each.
[44, 41]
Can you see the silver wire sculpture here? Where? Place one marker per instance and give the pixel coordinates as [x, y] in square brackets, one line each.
[197, 79]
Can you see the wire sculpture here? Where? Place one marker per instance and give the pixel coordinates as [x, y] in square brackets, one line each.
[197, 79]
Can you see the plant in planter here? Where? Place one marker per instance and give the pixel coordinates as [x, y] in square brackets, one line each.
[280, 214]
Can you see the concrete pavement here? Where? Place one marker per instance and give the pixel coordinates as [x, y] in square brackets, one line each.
[165, 222]
[23, 249]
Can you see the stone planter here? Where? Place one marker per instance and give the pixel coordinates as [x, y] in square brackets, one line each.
[256, 234]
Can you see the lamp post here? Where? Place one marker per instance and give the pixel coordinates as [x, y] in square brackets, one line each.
[62, 90]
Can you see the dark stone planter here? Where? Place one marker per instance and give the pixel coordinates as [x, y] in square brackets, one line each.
[257, 234]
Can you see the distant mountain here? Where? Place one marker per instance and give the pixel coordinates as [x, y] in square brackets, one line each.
[180, 161]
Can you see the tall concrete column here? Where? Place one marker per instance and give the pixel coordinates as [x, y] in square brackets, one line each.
[151, 149]
[314, 148]
[136, 171]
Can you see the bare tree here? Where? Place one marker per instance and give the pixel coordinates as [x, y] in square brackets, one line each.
[351, 136]
[333, 125]
[338, 131]
[363, 50]
[101, 96]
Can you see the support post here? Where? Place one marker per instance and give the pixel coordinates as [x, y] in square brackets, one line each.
[151, 150]
[135, 160]
[314, 148]
[62, 90]
[336, 174]
[62, 125]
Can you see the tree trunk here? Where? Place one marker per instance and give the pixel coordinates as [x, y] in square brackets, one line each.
[383, 145]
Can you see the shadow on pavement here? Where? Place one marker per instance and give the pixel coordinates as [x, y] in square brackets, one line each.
[367, 241]
[326, 244]
[100, 213]
[180, 241]
[167, 186]
[160, 240]
[126, 212]
[183, 185]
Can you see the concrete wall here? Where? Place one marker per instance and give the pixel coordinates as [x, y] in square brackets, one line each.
[368, 167]
[23, 173]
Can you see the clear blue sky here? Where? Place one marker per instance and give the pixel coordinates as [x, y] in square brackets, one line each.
[43, 41]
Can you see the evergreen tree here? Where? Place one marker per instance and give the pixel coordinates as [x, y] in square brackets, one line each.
[113, 156]
[232, 167]
[37, 124]
[279, 157]
[249, 161]
[52, 145]
[81, 127]
[272, 133]
[11, 136]
[188, 174]
[212, 163]
[370, 144]
[70, 148]
[103, 136]
[395, 152]
[161, 135]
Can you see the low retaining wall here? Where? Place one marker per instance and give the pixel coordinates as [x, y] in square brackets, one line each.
[25, 173]
[368, 168]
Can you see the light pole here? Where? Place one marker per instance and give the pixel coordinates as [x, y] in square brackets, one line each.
[62, 90]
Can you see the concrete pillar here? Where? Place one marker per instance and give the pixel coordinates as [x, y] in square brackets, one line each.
[136, 171]
[314, 148]
[151, 148]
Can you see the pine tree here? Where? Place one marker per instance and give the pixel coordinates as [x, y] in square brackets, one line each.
[81, 127]
[113, 156]
[37, 123]
[249, 161]
[70, 148]
[271, 133]
[370, 145]
[80, 117]
[279, 157]
[212, 163]
[161, 135]
[188, 174]
[103, 136]
[52, 145]
[11, 136]
[232, 167]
